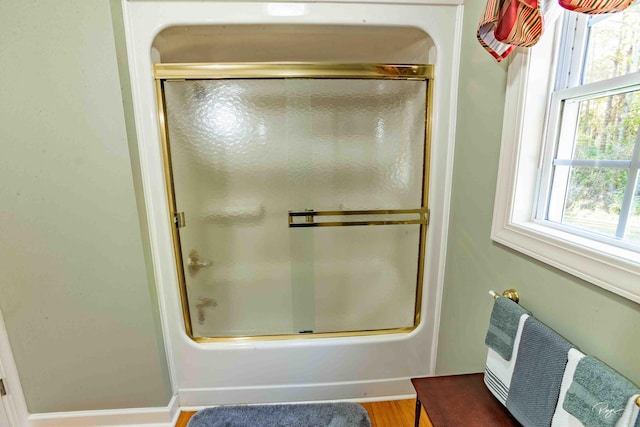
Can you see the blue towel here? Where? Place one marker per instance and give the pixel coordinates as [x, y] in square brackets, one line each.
[598, 394]
[537, 376]
[503, 326]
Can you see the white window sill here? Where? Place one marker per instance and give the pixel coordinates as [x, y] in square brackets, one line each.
[612, 268]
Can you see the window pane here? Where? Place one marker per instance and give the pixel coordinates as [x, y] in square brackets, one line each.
[632, 233]
[593, 198]
[614, 45]
[607, 127]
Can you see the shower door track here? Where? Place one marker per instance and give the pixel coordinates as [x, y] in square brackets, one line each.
[164, 72]
[299, 70]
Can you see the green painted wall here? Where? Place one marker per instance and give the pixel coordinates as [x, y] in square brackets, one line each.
[76, 288]
[599, 322]
[76, 294]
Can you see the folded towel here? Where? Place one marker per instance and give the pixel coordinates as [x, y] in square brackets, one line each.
[631, 415]
[598, 395]
[503, 326]
[537, 376]
[562, 418]
[498, 372]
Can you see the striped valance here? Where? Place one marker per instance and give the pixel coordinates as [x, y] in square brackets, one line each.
[506, 24]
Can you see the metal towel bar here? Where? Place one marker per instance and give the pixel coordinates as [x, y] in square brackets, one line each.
[512, 294]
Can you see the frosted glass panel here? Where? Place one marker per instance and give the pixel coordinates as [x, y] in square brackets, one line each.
[365, 277]
[246, 152]
[359, 143]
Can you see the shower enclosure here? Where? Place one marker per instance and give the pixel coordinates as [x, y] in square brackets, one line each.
[268, 110]
[299, 196]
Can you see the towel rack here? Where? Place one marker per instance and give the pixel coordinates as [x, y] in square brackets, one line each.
[512, 294]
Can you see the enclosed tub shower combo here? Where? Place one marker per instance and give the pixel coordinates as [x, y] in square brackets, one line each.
[295, 163]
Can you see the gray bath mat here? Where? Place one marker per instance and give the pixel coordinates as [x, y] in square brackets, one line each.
[341, 414]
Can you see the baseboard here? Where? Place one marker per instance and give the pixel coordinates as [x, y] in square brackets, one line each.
[357, 391]
[147, 417]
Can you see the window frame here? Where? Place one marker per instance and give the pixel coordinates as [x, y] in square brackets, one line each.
[531, 81]
[574, 42]
[557, 125]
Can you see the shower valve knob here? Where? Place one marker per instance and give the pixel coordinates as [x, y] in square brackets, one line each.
[195, 262]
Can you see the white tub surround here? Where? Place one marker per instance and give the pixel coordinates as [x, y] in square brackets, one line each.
[363, 367]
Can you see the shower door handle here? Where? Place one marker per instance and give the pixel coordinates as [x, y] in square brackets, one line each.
[310, 215]
[195, 262]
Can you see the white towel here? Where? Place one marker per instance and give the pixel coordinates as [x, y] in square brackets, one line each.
[630, 414]
[498, 373]
[562, 418]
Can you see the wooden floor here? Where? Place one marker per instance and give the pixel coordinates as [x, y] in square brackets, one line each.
[390, 413]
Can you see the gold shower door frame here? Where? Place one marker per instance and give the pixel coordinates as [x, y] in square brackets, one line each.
[299, 70]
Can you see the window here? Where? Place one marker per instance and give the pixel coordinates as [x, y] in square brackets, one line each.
[569, 190]
[590, 174]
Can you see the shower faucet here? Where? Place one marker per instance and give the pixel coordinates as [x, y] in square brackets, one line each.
[195, 262]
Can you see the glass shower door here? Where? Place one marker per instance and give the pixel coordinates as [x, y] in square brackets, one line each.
[357, 149]
[279, 182]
